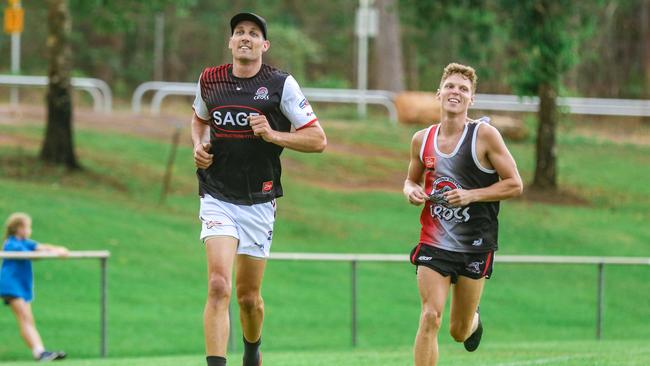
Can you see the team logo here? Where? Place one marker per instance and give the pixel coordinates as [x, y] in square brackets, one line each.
[430, 162]
[303, 103]
[478, 242]
[267, 186]
[211, 224]
[474, 267]
[424, 258]
[261, 93]
[440, 207]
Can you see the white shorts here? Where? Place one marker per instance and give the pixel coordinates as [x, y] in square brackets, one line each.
[251, 225]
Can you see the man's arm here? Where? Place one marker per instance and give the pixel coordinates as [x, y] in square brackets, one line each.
[309, 139]
[200, 140]
[413, 184]
[496, 153]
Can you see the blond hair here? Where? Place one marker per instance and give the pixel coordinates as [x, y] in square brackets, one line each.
[15, 221]
[464, 70]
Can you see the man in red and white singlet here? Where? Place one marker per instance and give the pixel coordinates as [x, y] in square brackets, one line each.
[459, 170]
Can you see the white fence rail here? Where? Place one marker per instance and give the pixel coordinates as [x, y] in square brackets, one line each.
[496, 102]
[98, 89]
[354, 259]
[103, 256]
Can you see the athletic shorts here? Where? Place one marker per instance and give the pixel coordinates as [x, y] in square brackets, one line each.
[454, 264]
[7, 298]
[251, 225]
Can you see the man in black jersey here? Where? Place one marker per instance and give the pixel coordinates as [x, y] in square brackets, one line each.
[245, 113]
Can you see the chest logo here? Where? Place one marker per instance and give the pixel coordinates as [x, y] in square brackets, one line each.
[261, 93]
[232, 119]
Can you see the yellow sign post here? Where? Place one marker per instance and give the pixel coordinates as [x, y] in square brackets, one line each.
[14, 20]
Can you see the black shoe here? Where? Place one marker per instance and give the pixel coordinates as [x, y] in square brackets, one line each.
[47, 356]
[471, 343]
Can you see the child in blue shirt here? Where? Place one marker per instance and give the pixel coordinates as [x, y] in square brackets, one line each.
[16, 282]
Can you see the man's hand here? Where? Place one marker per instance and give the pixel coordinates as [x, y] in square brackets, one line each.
[202, 156]
[416, 195]
[260, 126]
[459, 197]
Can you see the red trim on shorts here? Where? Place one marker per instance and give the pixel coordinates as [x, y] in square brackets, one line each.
[415, 253]
[307, 124]
[487, 263]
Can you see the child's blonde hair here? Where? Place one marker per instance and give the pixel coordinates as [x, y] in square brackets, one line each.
[15, 221]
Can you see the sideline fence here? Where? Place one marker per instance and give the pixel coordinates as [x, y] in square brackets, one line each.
[354, 259]
[103, 256]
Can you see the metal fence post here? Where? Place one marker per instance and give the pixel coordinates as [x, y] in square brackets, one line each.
[601, 295]
[354, 301]
[103, 342]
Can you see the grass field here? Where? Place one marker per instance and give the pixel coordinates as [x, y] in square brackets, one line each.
[157, 270]
[604, 353]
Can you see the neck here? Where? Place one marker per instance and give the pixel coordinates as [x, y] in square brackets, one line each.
[246, 69]
[451, 123]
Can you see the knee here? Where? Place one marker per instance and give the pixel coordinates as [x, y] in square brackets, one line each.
[430, 320]
[459, 330]
[250, 302]
[219, 289]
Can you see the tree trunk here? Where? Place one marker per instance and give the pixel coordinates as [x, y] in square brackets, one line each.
[58, 145]
[546, 164]
[645, 45]
[389, 71]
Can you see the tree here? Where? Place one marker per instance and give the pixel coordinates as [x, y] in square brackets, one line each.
[389, 72]
[545, 35]
[58, 147]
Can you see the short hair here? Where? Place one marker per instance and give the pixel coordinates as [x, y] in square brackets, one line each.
[466, 71]
[14, 222]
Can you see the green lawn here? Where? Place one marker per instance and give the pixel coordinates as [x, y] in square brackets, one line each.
[157, 270]
[604, 353]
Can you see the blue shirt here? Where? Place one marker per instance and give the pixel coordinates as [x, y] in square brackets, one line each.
[16, 277]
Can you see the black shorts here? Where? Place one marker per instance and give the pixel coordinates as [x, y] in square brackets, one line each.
[454, 264]
[7, 298]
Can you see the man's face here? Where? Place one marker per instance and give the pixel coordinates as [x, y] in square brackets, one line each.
[247, 42]
[455, 94]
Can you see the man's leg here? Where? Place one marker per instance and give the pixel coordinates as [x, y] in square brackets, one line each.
[464, 303]
[250, 272]
[27, 325]
[434, 288]
[220, 253]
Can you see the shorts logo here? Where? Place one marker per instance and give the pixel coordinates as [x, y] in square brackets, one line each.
[475, 267]
[430, 162]
[424, 258]
[261, 93]
[303, 103]
[267, 186]
[478, 242]
[211, 224]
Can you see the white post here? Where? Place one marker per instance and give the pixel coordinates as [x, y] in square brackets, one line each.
[362, 55]
[159, 39]
[15, 61]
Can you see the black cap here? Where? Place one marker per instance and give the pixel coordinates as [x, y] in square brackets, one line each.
[251, 17]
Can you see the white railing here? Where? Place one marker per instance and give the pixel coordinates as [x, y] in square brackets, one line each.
[496, 102]
[103, 256]
[164, 89]
[98, 89]
[354, 259]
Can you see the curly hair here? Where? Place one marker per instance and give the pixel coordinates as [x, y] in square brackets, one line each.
[464, 70]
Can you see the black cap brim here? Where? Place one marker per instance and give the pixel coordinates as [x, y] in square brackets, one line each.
[250, 17]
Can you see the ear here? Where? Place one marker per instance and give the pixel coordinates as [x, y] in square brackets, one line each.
[471, 101]
[438, 94]
[230, 43]
[266, 45]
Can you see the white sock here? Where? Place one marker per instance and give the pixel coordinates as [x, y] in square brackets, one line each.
[36, 351]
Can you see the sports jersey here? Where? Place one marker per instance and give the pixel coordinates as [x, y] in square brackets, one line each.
[472, 228]
[16, 277]
[246, 169]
